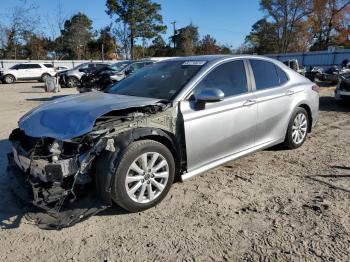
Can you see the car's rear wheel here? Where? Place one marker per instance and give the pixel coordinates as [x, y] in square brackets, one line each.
[297, 129]
[144, 175]
[72, 82]
[9, 79]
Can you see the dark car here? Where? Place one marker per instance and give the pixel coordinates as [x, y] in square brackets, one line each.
[100, 79]
[342, 92]
[71, 78]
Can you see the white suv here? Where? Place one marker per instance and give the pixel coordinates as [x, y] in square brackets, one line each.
[27, 71]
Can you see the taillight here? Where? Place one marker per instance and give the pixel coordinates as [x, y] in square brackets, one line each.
[316, 88]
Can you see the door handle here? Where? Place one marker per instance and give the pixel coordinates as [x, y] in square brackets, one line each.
[249, 102]
[290, 92]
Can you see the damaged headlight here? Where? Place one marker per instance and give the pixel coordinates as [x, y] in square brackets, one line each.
[56, 149]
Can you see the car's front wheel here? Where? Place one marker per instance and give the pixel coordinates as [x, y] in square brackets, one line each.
[297, 129]
[144, 175]
[9, 79]
[72, 82]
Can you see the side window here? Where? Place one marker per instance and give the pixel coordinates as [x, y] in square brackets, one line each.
[31, 66]
[265, 74]
[282, 76]
[229, 77]
[21, 66]
[99, 66]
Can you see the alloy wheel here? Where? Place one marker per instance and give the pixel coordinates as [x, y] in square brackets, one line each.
[147, 177]
[9, 79]
[299, 128]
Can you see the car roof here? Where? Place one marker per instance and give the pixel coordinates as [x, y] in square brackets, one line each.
[215, 58]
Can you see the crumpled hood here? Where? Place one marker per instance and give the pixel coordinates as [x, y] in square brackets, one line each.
[75, 115]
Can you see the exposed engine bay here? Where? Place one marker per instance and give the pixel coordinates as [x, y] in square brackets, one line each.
[60, 175]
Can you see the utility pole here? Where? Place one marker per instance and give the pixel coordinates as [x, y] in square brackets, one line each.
[102, 52]
[174, 23]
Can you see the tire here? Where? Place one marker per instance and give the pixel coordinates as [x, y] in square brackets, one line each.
[139, 197]
[72, 81]
[297, 129]
[9, 79]
[44, 77]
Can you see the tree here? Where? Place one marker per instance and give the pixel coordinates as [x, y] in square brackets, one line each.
[104, 47]
[36, 46]
[208, 46]
[76, 35]
[287, 15]
[186, 40]
[158, 48]
[21, 19]
[139, 18]
[263, 38]
[329, 23]
[225, 50]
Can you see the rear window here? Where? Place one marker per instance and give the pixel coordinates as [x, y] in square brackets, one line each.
[281, 76]
[265, 74]
[48, 65]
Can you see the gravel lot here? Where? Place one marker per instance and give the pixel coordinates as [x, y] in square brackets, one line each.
[273, 205]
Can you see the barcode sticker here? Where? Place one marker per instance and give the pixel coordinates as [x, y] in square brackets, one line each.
[194, 63]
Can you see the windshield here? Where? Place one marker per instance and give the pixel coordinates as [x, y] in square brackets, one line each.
[119, 66]
[162, 80]
[15, 66]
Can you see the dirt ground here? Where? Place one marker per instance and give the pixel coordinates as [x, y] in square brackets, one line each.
[274, 205]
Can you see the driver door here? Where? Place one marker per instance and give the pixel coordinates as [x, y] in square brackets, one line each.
[222, 128]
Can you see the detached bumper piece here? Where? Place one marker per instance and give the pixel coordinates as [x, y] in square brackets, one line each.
[50, 205]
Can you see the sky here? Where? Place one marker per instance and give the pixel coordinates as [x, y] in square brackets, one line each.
[229, 21]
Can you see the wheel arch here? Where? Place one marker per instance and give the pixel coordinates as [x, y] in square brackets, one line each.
[308, 110]
[164, 137]
[104, 171]
[10, 74]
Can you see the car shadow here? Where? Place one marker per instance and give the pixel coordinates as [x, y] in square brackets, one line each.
[11, 212]
[13, 209]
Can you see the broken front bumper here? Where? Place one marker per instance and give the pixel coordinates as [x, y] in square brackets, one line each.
[48, 204]
[43, 169]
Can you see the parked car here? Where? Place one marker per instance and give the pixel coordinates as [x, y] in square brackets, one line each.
[130, 69]
[342, 91]
[100, 79]
[71, 78]
[27, 71]
[294, 64]
[314, 73]
[176, 119]
[61, 68]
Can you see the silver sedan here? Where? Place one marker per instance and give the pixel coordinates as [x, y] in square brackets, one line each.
[177, 118]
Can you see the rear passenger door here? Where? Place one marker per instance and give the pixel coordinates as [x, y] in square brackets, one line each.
[35, 70]
[221, 128]
[273, 101]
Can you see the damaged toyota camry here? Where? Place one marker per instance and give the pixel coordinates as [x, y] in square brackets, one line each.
[170, 121]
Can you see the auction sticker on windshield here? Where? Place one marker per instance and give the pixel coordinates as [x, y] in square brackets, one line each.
[194, 63]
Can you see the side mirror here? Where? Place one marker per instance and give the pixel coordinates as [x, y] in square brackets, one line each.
[209, 95]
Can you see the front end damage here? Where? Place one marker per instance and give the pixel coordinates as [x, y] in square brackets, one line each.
[59, 175]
